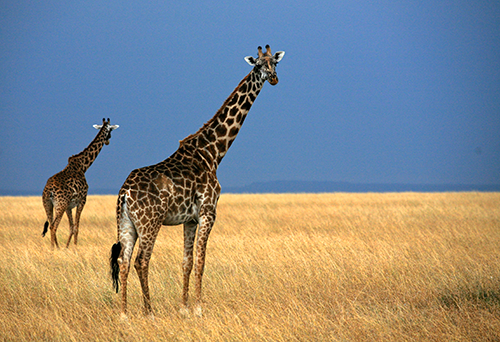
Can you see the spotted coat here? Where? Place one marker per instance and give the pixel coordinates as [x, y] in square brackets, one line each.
[183, 189]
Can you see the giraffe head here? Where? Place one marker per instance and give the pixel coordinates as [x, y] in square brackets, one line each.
[105, 125]
[266, 63]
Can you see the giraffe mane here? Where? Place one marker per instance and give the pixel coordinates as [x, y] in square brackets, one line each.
[206, 124]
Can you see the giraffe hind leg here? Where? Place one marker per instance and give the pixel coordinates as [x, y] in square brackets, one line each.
[53, 228]
[142, 268]
[127, 236]
[142, 264]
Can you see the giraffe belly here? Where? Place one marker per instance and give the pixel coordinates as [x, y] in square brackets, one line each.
[175, 218]
[74, 202]
[182, 213]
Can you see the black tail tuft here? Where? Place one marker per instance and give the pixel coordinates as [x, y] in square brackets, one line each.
[115, 268]
[45, 228]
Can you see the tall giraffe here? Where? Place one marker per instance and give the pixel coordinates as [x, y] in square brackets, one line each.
[183, 189]
[68, 188]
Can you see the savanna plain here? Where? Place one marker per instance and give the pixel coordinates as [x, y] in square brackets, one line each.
[302, 267]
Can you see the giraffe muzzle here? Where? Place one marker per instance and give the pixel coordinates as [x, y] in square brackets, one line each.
[273, 79]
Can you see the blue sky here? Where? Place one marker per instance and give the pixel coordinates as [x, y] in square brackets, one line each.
[369, 92]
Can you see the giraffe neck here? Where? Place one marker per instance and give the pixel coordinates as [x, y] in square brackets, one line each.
[211, 142]
[84, 159]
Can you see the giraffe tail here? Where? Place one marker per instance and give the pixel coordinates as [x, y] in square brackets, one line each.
[45, 228]
[115, 268]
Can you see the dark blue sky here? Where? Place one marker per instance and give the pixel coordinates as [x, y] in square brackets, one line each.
[369, 92]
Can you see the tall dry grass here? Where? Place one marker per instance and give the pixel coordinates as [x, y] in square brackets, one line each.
[329, 267]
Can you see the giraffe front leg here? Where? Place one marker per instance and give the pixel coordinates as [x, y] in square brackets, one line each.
[71, 225]
[78, 214]
[206, 225]
[187, 263]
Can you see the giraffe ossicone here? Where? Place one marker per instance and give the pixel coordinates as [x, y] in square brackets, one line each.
[68, 189]
[183, 189]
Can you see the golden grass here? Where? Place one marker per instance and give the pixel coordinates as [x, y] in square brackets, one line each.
[325, 267]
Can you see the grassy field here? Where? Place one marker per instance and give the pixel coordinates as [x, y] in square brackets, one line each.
[326, 267]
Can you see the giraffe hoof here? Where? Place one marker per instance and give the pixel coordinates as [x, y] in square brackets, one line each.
[198, 312]
[184, 311]
[123, 318]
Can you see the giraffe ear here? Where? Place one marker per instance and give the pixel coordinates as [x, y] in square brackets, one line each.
[114, 127]
[97, 126]
[278, 56]
[250, 60]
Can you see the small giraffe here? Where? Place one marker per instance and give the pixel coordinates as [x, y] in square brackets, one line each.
[68, 188]
[183, 189]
